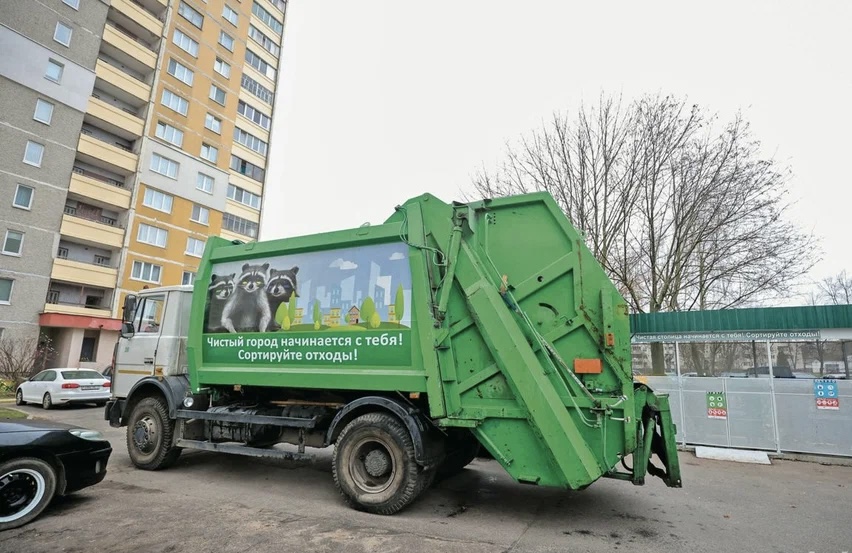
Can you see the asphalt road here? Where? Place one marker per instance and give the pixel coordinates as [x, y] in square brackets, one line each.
[221, 503]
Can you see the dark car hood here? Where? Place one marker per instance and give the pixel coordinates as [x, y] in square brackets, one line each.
[25, 425]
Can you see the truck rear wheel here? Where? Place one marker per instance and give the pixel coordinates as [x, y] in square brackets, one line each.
[374, 465]
[150, 435]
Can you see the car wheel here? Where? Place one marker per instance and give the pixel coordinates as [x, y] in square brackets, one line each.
[46, 401]
[27, 486]
[150, 435]
[374, 466]
[19, 397]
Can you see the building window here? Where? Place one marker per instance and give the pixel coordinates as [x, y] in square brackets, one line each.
[246, 168]
[239, 225]
[194, 247]
[200, 214]
[170, 134]
[188, 278]
[185, 43]
[23, 197]
[243, 196]
[62, 34]
[257, 89]
[33, 153]
[213, 123]
[73, 3]
[164, 166]
[13, 243]
[146, 272]
[174, 102]
[43, 111]
[181, 72]
[250, 141]
[204, 183]
[210, 153]
[226, 40]
[267, 18]
[230, 15]
[152, 235]
[222, 67]
[217, 94]
[190, 15]
[260, 64]
[54, 71]
[6, 290]
[268, 44]
[254, 115]
[157, 200]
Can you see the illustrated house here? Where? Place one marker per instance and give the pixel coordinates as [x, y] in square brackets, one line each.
[354, 314]
[392, 313]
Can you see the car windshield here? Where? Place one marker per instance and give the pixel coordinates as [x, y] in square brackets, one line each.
[79, 375]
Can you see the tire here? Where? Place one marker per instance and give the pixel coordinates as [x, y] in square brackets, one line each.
[46, 401]
[374, 466]
[27, 486]
[150, 435]
[462, 449]
[19, 398]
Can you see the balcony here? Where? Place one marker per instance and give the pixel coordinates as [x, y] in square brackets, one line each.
[121, 85]
[136, 18]
[103, 232]
[122, 123]
[122, 45]
[77, 272]
[90, 185]
[97, 152]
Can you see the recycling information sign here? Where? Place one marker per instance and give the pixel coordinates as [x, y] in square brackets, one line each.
[825, 394]
[717, 405]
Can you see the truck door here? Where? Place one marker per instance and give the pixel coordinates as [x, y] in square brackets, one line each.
[136, 354]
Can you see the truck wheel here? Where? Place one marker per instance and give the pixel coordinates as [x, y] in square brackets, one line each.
[462, 448]
[374, 466]
[27, 486]
[150, 433]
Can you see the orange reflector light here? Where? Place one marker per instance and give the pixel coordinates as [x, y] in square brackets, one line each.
[610, 339]
[588, 366]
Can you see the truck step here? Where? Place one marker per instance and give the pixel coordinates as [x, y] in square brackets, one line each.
[238, 449]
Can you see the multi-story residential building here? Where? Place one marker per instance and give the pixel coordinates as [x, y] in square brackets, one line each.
[134, 130]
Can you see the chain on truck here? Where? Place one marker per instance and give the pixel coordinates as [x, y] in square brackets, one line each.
[406, 346]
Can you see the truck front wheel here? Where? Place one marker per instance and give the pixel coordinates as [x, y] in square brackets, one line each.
[374, 466]
[150, 435]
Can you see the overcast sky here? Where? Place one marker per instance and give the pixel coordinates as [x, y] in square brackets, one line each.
[383, 100]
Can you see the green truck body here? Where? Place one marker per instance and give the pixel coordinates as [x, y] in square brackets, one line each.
[488, 320]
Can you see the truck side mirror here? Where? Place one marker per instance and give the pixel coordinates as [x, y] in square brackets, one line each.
[127, 329]
[129, 309]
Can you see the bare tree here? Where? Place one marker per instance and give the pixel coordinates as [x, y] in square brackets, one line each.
[836, 290]
[21, 357]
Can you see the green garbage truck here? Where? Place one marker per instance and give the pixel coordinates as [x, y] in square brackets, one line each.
[407, 346]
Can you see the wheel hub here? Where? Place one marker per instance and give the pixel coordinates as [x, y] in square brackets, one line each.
[377, 463]
[19, 491]
[145, 434]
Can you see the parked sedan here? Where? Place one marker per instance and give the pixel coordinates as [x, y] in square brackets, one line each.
[42, 459]
[62, 386]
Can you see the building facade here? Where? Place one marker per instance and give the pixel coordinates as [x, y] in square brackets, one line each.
[135, 130]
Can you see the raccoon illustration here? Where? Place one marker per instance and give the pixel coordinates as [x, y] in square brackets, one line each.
[220, 289]
[279, 289]
[247, 310]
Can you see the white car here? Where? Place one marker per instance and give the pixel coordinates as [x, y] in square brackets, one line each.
[62, 386]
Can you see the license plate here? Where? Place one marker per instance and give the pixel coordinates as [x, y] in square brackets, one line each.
[89, 387]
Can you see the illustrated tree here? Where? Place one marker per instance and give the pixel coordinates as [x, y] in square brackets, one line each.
[399, 304]
[317, 315]
[682, 211]
[291, 310]
[368, 308]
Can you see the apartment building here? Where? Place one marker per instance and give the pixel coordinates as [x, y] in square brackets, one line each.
[159, 136]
